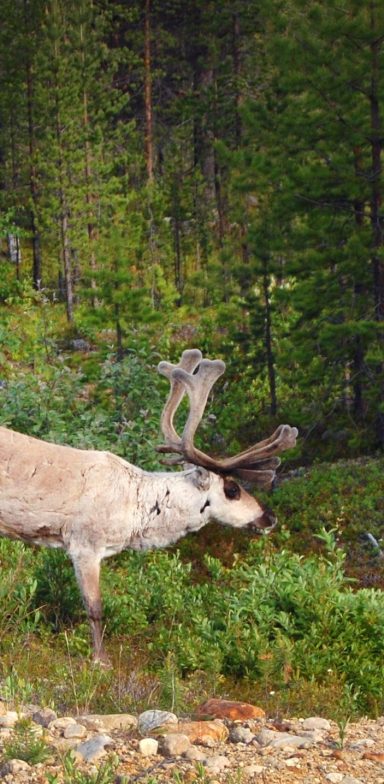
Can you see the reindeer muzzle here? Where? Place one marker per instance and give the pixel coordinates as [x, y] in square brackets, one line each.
[266, 523]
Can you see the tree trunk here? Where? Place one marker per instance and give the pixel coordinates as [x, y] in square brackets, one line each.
[358, 350]
[148, 91]
[33, 188]
[236, 75]
[92, 230]
[268, 341]
[376, 200]
[64, 229]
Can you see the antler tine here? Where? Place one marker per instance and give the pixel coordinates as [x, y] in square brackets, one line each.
[198, 387]
[188, 362]
[283, 438]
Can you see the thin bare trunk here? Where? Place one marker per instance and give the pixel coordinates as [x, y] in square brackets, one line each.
[148, 91]
[358, 350]
[268, 341]
[376, 198]
[33, 188]
[92, 230]
[14, 245]
[64, 228]
[236, 74]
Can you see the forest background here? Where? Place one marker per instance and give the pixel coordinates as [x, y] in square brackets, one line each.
[183, 173]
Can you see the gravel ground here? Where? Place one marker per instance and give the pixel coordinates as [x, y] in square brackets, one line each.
[255, 750]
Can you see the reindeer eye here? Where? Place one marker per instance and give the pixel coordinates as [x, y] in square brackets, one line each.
[231, 490]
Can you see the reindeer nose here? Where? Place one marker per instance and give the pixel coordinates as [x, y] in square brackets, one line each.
[266, 521]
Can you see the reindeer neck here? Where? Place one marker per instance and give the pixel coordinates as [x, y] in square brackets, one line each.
[169, 506]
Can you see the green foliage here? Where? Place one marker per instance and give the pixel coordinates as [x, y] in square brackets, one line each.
[26, 744]
[118, 410]
[18, 613]
[105, 774]
[348, 496]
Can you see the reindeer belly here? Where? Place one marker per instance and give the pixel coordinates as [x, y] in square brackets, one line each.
[33, 525]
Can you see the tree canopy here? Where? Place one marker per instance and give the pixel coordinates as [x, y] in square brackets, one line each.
[210, 173]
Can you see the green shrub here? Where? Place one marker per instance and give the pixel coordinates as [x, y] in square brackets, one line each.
[25, 744]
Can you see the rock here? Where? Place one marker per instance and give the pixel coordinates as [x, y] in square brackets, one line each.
[280, 739]
[351, 780]
[9, 719]
[108, 722]
[148, 747]
[59, 725]
[152, 719]
[316, 723]
[194, 755]
[241, 735]
[229, 709]
[75, 731]
[315, 735]
[216, 764]
[93, 748]
[44, 716]
[334, 777]
[363, 743]
[62, 745]
[375, 756]
[253, 770]
[79, 344]
[174, 744]
[207, 733]
[292, 762]
[15, 766]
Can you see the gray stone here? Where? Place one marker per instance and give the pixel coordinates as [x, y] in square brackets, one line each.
[108, 721]
[93, 748]
[14, 767]
[44, 716]
[79, 344]
[334, 777]
[193, 754]
[316, 723]
[151, 719]
[75, 731]
[174, 744]
[363, 743]
[280, 739]
[241, 735]
[216, 764]
[148, 747]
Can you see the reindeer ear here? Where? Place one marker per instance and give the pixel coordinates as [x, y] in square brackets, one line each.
[201, 478]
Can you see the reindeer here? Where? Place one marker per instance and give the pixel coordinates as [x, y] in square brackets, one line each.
[93, 504]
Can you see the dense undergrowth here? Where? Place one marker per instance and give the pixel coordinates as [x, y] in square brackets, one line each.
[282, 620]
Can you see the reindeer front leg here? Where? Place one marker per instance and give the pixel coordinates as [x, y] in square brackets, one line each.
[87, 569]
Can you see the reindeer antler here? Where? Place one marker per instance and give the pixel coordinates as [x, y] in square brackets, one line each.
[196, 377]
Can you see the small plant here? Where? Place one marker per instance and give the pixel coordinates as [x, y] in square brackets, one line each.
[347, 711]
[26, 744]
[106, 774]
[200, 776]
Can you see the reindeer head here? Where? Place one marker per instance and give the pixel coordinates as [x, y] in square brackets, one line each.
[226, 501]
